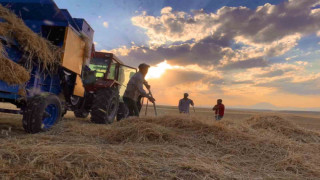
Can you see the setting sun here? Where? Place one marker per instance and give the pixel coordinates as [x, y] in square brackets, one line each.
[158, 70]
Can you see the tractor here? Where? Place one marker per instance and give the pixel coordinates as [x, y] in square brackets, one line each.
[104, 82]
[48, 66]
[44, 49]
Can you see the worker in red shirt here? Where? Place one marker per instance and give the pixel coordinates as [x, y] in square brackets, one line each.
[219, 108]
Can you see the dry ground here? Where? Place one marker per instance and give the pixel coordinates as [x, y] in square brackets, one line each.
[309, 120]
[245, 145]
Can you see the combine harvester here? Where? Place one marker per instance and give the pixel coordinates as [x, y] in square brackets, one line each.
[44, 67]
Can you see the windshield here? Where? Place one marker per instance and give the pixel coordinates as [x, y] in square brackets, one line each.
[100, 69]
[124, 76]
[100, 66]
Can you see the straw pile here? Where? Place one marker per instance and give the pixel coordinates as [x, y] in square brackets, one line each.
[87, 47]
[168, 147]
[11, 72]
[34, 46]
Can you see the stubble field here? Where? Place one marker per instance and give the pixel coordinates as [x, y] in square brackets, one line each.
[244, 145]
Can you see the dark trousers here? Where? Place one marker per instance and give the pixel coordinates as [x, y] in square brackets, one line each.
[139, 104]
[132, 106]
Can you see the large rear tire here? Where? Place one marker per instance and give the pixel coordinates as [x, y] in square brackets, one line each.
[41, 113]
[105, 106]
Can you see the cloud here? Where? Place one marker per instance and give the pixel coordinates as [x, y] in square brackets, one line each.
[183, 77]
[292, 57]
[281, 80]
[121, 51]
[243, 82]
[176, 77]
[280, 77]
[309, 87]
[210, 51]
[302, 63]
[279, 70]
[158, 70]
[245, 64]
[230, 53]
[209, 39]
[174, 82]
[105, 24]
[272, 73]
[263, 25]
[205, 53]
[166, 10]
[173, 26]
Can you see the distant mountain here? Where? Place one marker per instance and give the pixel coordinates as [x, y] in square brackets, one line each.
[269, 106]
[259, 106]
[264, 105]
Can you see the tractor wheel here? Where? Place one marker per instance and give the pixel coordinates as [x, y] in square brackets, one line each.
[41, 113]
[105, 106]
[123, 111]
[64, 110]
[81, 113]
[77, 106]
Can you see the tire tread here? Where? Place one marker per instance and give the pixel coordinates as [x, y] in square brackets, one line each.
[102, 100]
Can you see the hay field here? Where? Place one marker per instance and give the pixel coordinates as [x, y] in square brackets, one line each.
[245, 145]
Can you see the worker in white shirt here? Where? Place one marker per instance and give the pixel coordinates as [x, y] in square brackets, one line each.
[135, 89]
[184, 104]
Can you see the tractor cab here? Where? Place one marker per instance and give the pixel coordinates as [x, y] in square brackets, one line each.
[103, 66]
[106, 70]
[105, 80]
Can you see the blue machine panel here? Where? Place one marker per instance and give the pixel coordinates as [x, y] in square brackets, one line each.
[4, 87]
[9, 96]
[38, 15]
[13, 53]
[85, 27]
[35, 9]
[69, 18]
[43, 82]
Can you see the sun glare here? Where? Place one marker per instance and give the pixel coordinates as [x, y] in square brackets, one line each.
[158, 70]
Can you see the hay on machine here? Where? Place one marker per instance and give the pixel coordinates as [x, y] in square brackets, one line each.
[87, 47]
[11, 72]
[36, 49]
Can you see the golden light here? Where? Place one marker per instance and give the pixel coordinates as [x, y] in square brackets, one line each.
[158, 70]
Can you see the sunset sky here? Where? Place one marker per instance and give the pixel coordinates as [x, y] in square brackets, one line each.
[250, 53]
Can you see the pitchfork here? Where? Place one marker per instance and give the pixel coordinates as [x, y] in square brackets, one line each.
[154, 104]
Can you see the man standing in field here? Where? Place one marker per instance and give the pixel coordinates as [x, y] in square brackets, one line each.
[184, 104]
[135, 89]
[219, 108]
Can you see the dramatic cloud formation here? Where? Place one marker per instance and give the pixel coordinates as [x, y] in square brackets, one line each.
[244, 51]
[288, 78]
[308, 87]
[233, 52]
[232, 34]
[263, 25]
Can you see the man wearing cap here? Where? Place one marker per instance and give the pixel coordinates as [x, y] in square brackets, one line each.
[184, 104]
[135, 89]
